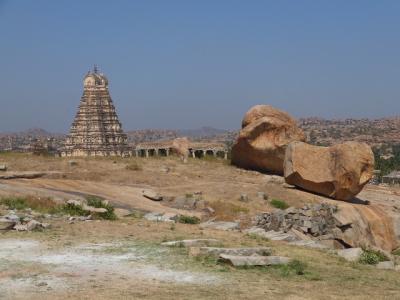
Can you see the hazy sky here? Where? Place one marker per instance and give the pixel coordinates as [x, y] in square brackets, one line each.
[185, 64]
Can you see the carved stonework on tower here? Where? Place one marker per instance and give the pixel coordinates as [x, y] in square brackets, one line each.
[96, 130]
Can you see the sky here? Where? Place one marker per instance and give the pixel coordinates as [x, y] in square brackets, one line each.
[186, 64]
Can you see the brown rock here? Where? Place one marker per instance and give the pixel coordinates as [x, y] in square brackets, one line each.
[365, 226]
[181, 147]
[262, 142]
[339, 171]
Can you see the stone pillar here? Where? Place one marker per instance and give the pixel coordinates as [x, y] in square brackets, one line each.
[225, 155]
[137, 153]
[193, 154]
[156, 152]
[204, 153]
[146, 152]
[167, 151]
[215, 153]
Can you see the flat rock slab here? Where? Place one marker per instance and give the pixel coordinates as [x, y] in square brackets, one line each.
[152, 195]
[6, 224]
[26, 175]
[271, 235]
[309, 244]
[350, 254]
[220, 225]
[161, 217]
[385, 265]
[192, 243]
[121, 212]
[254, 260]
[216, 252]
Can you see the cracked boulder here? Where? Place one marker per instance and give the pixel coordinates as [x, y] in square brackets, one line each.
[365, 226]
[262, 141]
[339, 172]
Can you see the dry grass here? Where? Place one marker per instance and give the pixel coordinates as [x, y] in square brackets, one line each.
[40, 204]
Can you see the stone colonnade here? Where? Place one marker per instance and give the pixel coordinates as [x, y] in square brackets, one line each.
[198, 150]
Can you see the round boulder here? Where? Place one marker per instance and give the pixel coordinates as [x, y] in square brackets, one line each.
[261, 145]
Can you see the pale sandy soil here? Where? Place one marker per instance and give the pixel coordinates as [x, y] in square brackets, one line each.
[123, 259]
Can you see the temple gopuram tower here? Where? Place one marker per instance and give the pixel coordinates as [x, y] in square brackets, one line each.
[96, 130]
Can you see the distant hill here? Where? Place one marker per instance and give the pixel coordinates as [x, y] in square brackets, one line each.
[34, 133]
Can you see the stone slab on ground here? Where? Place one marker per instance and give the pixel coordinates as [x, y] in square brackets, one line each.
[152, 195]
[192, 243]
[215, 251]
[161, 217]
[121, 212]
[309, 244]
[26, 174]
[6, 224]
[350, 254]
[271, 235]
[385, 265]
[254, 260]
[221, 225]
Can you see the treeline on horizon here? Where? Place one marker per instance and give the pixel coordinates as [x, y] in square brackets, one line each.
[387, 165]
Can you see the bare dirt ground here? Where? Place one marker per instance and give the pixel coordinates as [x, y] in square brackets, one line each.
[123, 259]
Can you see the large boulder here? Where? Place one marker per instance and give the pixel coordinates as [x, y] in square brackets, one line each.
[261, 145]
[365, 226]
[339, 171]
[181, 147]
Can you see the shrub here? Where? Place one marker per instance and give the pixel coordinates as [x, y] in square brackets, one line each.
[74, 210]
[100, 203]
[188, 219]
[372, 257]
[279, 204]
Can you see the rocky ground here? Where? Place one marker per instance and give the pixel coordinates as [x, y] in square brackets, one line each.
[124, 258]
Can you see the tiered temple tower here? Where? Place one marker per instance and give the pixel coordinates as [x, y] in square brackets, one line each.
[96, 130]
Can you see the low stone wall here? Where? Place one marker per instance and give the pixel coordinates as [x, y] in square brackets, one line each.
[315, 220]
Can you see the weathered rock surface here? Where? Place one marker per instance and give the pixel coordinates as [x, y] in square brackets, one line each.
[215, 252]
[181, 147]
[6, 224]
[261, 145]
[161, 217]
[221, 225]
[339, 171]
[121, 212]
[192, 243]
[350, 254]
[385, 265]
[365, 226]
[340, 225]
[94, 209]
[255, 260]
[152, 195]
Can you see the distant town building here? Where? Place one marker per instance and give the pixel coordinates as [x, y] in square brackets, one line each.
[96, 130]
[392, 178]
